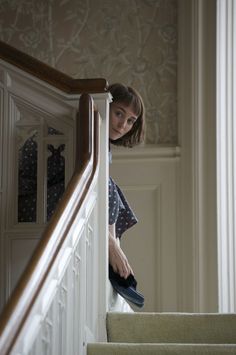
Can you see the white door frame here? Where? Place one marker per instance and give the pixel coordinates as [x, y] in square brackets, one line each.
[226, 155]
[197, 236]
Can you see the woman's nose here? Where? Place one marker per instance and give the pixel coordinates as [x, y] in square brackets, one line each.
[122, 123]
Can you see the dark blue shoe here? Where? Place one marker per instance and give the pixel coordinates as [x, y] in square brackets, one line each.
[126, 287]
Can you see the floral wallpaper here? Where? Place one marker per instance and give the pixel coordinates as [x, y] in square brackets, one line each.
[129, 41]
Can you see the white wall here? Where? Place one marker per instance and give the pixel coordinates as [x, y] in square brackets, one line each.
[148, 178]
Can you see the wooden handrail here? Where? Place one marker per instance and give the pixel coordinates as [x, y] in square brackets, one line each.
[25, 294]
[50, 75]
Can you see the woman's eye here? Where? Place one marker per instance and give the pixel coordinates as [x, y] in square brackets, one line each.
[119, 114]
[130, 121]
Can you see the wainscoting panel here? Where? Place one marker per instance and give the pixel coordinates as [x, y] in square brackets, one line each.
[148, 178]
[18, 257]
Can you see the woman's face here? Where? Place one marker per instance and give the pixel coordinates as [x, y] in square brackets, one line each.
[122, 119]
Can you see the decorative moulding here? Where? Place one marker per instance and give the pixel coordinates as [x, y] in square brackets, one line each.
[147, 152]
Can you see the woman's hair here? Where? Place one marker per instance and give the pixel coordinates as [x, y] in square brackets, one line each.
[130, 97]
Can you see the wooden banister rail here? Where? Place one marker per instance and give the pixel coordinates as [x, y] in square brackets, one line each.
[50, 75]
[25, 294]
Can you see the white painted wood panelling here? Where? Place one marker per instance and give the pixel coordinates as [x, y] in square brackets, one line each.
[197, 220]
[148, 178]
[226, 156]
[65, 315]
[71, 307]
[20, 249]
[28, 105]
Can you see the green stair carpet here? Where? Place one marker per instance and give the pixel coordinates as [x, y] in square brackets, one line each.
[168, 333]
[171, 328]
[159, 349]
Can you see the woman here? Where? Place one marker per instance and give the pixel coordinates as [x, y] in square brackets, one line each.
[127, 125]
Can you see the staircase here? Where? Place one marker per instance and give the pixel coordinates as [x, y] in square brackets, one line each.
[60, 301]
[167, 333]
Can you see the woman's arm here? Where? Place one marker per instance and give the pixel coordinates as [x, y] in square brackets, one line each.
[117, 258]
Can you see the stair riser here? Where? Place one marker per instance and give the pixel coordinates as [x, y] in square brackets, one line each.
[171, 328]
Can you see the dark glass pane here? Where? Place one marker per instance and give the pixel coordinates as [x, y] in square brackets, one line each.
[52, 131]
[55, 177]
[27, 180]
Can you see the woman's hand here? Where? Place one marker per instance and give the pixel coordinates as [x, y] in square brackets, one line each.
[117, 258]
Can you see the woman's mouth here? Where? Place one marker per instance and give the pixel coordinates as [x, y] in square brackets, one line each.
[117, 132]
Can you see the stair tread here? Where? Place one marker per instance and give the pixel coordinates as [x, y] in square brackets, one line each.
[159, 349]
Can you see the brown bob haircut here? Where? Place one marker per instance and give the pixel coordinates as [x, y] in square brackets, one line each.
[130, 97]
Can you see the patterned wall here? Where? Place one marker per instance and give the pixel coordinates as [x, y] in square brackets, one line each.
[129, 41]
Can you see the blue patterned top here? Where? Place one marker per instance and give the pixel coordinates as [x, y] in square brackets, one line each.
[120, 212]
